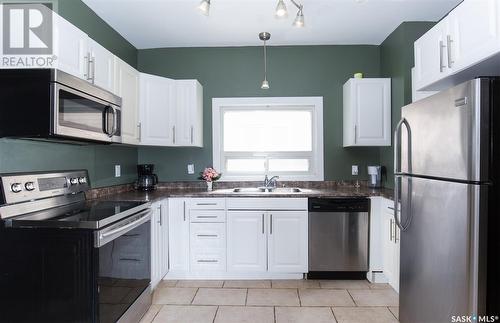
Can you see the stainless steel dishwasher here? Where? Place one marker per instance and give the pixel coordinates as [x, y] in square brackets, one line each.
[338, 236]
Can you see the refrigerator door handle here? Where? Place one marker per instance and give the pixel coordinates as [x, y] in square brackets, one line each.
[397, 176]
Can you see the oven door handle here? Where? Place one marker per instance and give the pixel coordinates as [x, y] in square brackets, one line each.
[105, 237]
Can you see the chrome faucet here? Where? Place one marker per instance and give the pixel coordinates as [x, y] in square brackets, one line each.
[271, 182]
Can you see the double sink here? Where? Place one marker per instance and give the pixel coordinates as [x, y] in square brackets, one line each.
[253, 190]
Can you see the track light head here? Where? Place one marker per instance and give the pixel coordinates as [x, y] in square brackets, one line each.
[299, 20]
[204, 7]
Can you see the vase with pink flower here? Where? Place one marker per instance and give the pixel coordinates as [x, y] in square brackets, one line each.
[210, 175]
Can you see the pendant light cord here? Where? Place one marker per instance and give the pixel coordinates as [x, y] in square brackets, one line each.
[265, 61]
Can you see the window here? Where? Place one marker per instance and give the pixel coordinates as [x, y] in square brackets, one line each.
[253, 137]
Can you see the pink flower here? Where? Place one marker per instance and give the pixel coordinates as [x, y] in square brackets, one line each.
[209, 174]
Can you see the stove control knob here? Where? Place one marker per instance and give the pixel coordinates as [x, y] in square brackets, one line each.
[73, 181]
[16, 187]
[82, 180]
[30, 186]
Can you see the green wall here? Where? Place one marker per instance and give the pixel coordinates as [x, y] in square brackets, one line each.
[396, 61]
[238, 72]
[24, 155]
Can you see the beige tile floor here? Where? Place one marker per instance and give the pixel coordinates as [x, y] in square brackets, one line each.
[277, 301]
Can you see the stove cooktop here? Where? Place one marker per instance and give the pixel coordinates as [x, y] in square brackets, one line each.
[86, 215]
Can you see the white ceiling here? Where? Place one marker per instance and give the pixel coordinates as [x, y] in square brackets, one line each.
[177, 23]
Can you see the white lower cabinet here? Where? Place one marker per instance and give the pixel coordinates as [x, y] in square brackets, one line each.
[246, 241]
[288, 241]
[159, 241]
[178, 223]
[384, 243]
[225, 238]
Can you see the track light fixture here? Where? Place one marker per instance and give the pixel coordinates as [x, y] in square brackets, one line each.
[204, 7]
[281, 11]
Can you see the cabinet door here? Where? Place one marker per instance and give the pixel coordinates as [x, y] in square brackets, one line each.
[163, 238]
[127, 87]
[474, 34]
[246, 241]
[155, 244]
[396, 260]
[388, 245]
[372, 105]
[102, 67]
[288, 243]
[71, 48]
[157, 103]
[189, 113]
[178, 235]
[431, 56]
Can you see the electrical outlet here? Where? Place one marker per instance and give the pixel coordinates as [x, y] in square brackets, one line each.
[354, 170]
[190, 169]
[118, 171]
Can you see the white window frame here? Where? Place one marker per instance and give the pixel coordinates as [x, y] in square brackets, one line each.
[316, 103]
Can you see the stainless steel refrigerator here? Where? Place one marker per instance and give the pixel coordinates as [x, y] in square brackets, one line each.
[447, 150]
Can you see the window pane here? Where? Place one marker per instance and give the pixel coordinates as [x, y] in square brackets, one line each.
[288, 165]
[245, 165]
[267, 130]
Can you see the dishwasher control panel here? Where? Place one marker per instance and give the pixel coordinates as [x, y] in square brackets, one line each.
[339, 204]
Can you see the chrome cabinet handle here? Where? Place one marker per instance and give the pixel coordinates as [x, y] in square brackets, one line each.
[184, 210]
[161, 216]
[87, 63]
[441, 47]
[396, 235]
[391, 225]
[206, 216]
[263, 223]
[192, 135]
[271, 225]
[207, 235]
[448, 46]
[173, 134]
[207, 260]
[206, 203]
[355, 134]
[139, 134]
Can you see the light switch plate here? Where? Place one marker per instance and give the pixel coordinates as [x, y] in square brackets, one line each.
[354, 170]
[190, 169]
[118, 171]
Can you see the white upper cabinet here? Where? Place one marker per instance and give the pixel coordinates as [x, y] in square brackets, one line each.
[463, 45]
[126, 86]
[367, 112]
[101, 65]
[474, 32]
[431, 55]
[171, 111]
[288, 241]
[189, 113]
[157, 103]
[70, 47]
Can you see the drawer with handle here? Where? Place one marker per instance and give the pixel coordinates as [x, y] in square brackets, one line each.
[212, 260]
[207, 216]
[208, 235]
[207, 203]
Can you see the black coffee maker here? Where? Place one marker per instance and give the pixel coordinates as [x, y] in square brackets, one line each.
[147, 180]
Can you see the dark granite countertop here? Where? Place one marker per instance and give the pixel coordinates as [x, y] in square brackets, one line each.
[161, 193]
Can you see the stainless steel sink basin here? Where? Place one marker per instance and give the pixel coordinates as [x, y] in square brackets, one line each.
[253, 190]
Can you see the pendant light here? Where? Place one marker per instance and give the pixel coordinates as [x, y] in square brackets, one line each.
[204, 7]
[265, 36]
[299, 20]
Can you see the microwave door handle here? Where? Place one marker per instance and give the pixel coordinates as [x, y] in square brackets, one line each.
[115, 122]
[105, 120]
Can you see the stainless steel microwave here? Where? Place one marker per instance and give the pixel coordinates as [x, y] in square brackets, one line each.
[53, 105]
